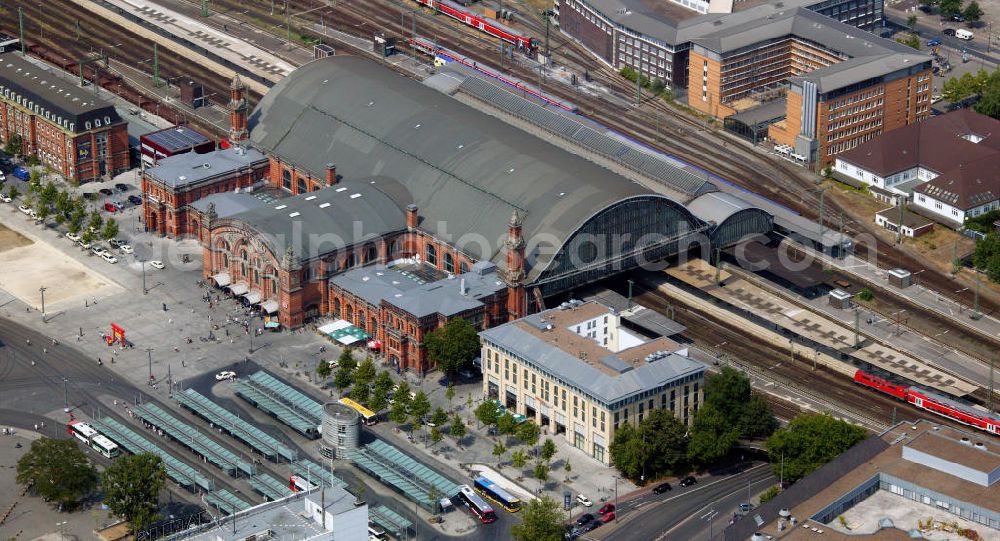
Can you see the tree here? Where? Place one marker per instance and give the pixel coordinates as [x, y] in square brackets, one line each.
[989, 101]
[486, 413]
[730, 394]
[810, 441]
[12, 192]
[541, 520]
[420, 405]
[111, 231]
[458, 430]
[548, 450]
[73, 227]
[360, 392]
[398, 414]
[439, 417]
[986, 256]
[568, 468]
[436, 435]
[132, 486]
[529, 433]
[911, 22]
[380, 391]
[498, 451]
[76, 219]
[450, 393]
[323, 369]
[345, 371]
[42, 211]
[518, 459]
[87, 236]
[973, 12]
[950, 7]
[505, 424]
[57, 470]
[711, 437]
[541, 472]
[366, 371]
[63, 202]
[911, 41]
[453, 346]
[402, 394]
[48, 194]
[96, 221]
[14, 145]
[656, 447]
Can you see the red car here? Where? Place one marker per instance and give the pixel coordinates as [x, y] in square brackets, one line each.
[110, 207]
[608, 517]
[608, 507]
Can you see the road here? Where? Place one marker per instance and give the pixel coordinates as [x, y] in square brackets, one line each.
[686, 513]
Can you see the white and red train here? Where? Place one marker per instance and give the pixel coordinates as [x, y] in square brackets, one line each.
[934, 403]
[483, 23]
[443, 55]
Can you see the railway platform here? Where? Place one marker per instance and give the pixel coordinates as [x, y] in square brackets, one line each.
[807, 323]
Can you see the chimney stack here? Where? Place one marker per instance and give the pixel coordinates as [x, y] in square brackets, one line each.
[331, 174]
[461, 287]
[412, 218]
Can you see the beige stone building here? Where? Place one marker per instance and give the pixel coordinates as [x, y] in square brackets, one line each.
[576, 371]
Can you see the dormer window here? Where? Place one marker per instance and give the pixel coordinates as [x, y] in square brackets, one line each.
[86, 125]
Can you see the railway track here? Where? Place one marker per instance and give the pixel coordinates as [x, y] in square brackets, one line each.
[772, 363]
[55, 27]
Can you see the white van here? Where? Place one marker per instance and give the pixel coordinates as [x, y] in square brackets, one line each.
[962, 33]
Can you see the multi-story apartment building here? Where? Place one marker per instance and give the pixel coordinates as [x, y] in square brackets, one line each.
[843, 85]
[577, 371]
[72, 131]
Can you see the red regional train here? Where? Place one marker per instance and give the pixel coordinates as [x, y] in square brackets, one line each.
[934, 403]
[495, 29]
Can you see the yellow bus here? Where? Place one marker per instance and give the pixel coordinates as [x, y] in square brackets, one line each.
[368, 416]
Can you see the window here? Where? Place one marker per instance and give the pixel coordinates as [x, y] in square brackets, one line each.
[449, 262]
[302, 185]
[286, 179]
[431, 255]
[464, 267]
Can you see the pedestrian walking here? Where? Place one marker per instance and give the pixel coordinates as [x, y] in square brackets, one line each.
[36, 427]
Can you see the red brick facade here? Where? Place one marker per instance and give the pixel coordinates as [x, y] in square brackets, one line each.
[80, 157]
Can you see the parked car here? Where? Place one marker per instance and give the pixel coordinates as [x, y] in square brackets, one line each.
[5, 198]
[73, 237]
[926, 9]
[934, 42]
[746, 507]
[84, 245]
[958, 18]
[156, 264]
[21, 173]
[25, 209]
[110, 207]
[126, 249]
[118, 204]
[110, 258]
[106, 191]
[466, 374]
[606, 508]
[115, 243]
[948, 31]
[121, 187]
[591, 526]
[584, 518]
[688, 481]
[608, 517]
[583, 500]
[98, 250]
[661, 488]
[224, 375]
[426, 420]
[444, 382]
[135, 199]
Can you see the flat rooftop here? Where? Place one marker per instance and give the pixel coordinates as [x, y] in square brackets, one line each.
[177, 138]
[880, 455]
[545, 340]
[188, 169]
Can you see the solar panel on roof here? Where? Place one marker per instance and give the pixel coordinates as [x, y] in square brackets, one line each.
[178, 138]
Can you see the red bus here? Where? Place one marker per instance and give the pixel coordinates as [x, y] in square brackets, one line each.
[477, 505]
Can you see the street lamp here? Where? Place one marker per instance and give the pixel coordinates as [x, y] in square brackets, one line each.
[144, 290]
[42, 291]
[252, 331]
[149, 355]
